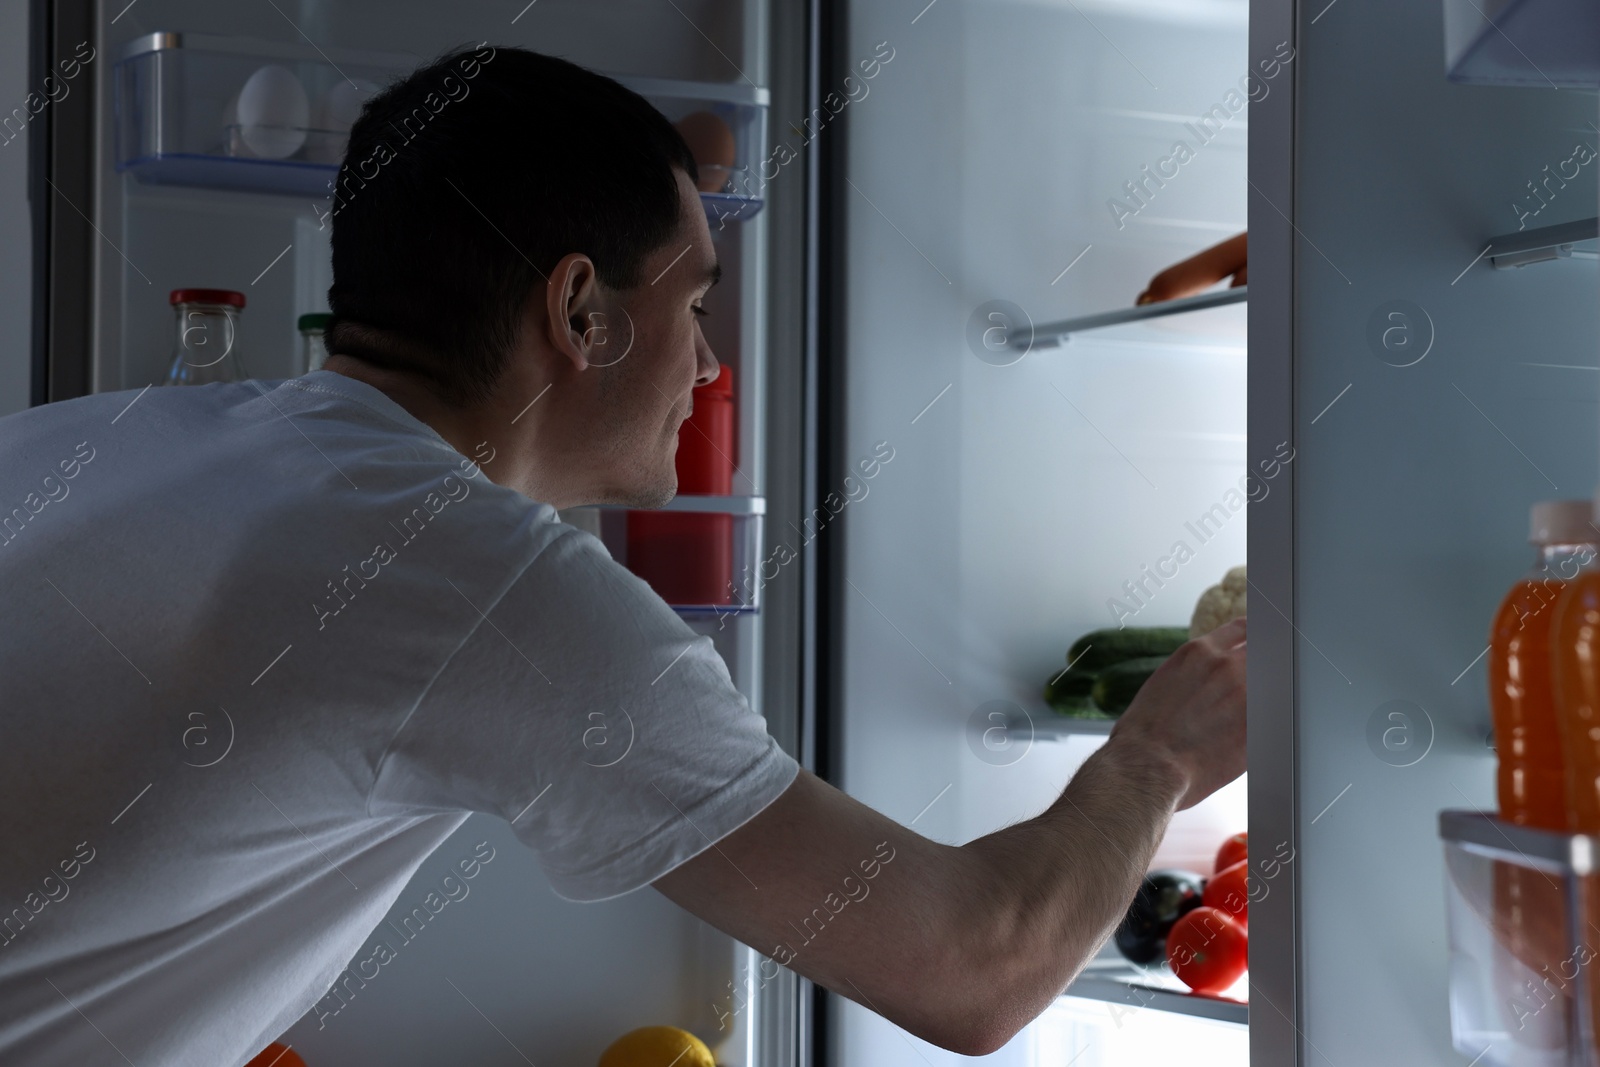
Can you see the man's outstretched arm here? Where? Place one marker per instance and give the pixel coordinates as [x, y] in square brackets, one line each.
[964, 945]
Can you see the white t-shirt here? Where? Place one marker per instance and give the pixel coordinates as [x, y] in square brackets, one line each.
[265, 646]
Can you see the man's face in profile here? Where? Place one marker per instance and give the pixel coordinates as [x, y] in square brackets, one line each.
[649, 359]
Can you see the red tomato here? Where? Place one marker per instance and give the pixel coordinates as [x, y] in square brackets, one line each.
[1208, 950]
[1229, 891]
[276, 1055]
[1232, 851]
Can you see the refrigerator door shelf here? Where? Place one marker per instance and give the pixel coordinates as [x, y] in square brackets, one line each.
[1520, 905]
[289, 177]
[718, 505]
[1509, 250]
[701, 554]
[1542, 44]
[294, 177]
[179, 122]
[731, 188]
[1118, 982]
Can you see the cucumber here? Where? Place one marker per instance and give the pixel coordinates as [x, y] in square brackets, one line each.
[1117, 685]
[1084, 710]
[1068, 694]
[1102, 648]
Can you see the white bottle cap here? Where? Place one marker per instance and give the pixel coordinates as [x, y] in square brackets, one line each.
[1562, 522]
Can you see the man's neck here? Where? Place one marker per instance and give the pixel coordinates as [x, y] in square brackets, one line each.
[406, 389]
[466, 429]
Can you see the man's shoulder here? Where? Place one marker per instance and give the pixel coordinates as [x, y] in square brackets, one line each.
[308, 465]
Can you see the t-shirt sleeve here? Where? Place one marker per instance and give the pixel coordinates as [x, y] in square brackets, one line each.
[585, 712]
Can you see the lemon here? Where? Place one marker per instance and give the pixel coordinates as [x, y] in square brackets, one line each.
[657, 1046]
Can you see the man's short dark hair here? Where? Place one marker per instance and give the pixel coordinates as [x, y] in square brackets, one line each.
[462, 187]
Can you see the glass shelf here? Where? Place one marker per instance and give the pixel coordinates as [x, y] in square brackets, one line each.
[1145, 323]
[1050, 726]
[1119, 982]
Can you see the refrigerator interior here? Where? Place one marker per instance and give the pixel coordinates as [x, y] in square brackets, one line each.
[982, 167]
[510, 973]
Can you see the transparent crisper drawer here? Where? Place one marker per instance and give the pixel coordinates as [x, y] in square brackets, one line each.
[1523, 907]
[235, 113]
[701, 554]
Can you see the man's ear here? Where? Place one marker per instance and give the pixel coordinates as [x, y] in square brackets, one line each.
[575, 311]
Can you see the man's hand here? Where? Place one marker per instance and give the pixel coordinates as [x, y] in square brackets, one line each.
[1191, 712]
[963, 946]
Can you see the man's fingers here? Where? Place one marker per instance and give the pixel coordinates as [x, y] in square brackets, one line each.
[1229, 635]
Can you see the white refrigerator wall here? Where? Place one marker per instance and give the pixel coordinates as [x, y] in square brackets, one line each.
[510, 973]
[1021, 497]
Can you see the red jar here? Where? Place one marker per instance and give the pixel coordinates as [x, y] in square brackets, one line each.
[687, 557]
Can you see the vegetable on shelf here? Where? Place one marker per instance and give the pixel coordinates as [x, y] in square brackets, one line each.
[1233, 850]
[1101, 648]
[1200, 926]
[1117, 685]
[1163, 898]
[1229, 891]
[1220, 603]
[1068, 694]
[1208, 950]
[1098, 683]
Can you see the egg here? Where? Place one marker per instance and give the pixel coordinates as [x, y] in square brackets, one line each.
[273, 113]
[332, 118]
[711, 142]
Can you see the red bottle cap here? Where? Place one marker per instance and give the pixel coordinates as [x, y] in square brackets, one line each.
[207, 296]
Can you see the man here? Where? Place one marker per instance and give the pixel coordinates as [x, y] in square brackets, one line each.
[269, 643]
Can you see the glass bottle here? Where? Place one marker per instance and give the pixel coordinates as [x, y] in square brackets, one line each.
[205, 347]
[313, 352]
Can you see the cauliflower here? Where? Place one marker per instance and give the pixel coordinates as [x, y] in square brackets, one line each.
[1221, 602]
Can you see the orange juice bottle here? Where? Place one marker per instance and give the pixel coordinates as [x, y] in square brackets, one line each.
[1531, 779]
[1528, 648]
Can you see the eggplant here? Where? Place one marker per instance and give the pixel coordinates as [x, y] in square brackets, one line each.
[1163, 898]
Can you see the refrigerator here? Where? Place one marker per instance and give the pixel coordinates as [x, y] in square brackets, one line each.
[949, 208]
